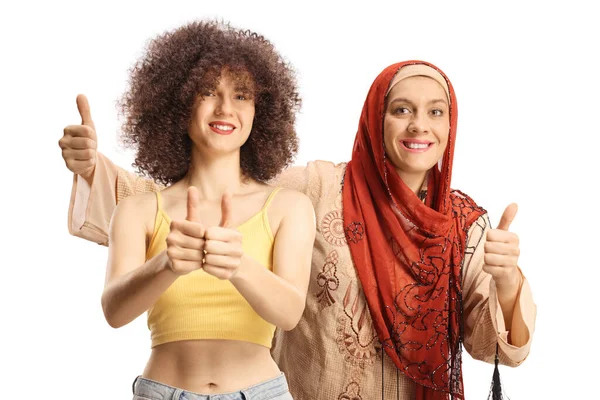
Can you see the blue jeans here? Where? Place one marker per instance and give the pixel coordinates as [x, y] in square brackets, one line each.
[273, 389]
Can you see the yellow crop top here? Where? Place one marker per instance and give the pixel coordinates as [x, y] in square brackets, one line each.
[201, 306]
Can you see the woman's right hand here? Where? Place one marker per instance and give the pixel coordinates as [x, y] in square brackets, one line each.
[185, 243]
[79, 143]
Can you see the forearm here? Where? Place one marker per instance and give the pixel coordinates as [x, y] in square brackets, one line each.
[485, 322]
[508, 296]
[273, 298]
[130, 295]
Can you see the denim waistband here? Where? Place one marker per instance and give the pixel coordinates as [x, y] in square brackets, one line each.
[159, 391]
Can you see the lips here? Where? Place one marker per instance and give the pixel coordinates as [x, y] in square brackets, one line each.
[222, 127]
[415, 146]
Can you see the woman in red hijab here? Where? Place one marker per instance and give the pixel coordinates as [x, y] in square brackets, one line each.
[405, 270]
[407, 229]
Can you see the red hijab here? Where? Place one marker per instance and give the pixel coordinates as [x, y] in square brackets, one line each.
[408, 253]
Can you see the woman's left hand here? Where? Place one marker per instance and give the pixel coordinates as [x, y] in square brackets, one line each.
[501, 253]
[223, 246]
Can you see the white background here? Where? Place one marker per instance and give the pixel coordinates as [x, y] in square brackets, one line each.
[526, 76]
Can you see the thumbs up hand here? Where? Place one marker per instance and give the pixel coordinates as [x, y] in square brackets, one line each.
[223, 245]
[185, 242]
[501, 252]
[79, 143]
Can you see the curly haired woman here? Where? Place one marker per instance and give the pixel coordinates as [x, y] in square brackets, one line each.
[219, 258]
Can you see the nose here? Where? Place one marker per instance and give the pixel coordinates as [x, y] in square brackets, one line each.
[224, 106]
[418, 124]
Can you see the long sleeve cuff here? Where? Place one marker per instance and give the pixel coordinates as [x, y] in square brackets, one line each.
[100, 197]
[523, 322]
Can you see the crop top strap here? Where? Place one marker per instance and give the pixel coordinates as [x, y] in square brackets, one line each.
[270, 198]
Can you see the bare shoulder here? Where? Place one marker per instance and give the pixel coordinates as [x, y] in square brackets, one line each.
[291, 204]
[291, 211]
[287, 199]
[139, 203]
[139, 209]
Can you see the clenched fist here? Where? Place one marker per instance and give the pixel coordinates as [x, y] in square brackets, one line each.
[216, 249]
[79, 143]
[502, 252]
[223, 247]
[185, 242]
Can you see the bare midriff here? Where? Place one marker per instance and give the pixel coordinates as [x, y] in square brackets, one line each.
[210, 366]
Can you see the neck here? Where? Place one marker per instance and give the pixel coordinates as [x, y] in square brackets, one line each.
[214, 175]
[414, 180]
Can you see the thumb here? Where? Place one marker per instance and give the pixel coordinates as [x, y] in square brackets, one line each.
[225, 210]
[508, 216]
[193, 202]
[84, 110]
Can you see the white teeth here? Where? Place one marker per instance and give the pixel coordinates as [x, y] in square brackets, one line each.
[223, 127]
[411, 145]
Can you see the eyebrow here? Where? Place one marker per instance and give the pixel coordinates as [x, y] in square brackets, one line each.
[244, 88]
[402, 99]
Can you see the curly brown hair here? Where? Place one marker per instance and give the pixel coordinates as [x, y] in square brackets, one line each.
[181, 64]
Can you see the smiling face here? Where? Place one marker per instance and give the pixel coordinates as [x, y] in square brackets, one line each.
[416, 126]
[223, 116]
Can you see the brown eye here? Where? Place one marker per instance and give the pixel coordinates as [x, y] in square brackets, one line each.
[400, 110]
[437, 112]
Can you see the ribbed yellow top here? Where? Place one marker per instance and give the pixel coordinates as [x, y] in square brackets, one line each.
[201, 306]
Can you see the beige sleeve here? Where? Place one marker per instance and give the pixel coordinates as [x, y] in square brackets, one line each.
[295, 178]
[483, 319]
[129, 184]
[305, 179]
[91, 208]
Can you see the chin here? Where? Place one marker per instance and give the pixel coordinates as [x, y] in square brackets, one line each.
[414, 166]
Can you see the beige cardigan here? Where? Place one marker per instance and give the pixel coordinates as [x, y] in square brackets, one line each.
[328, 355]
